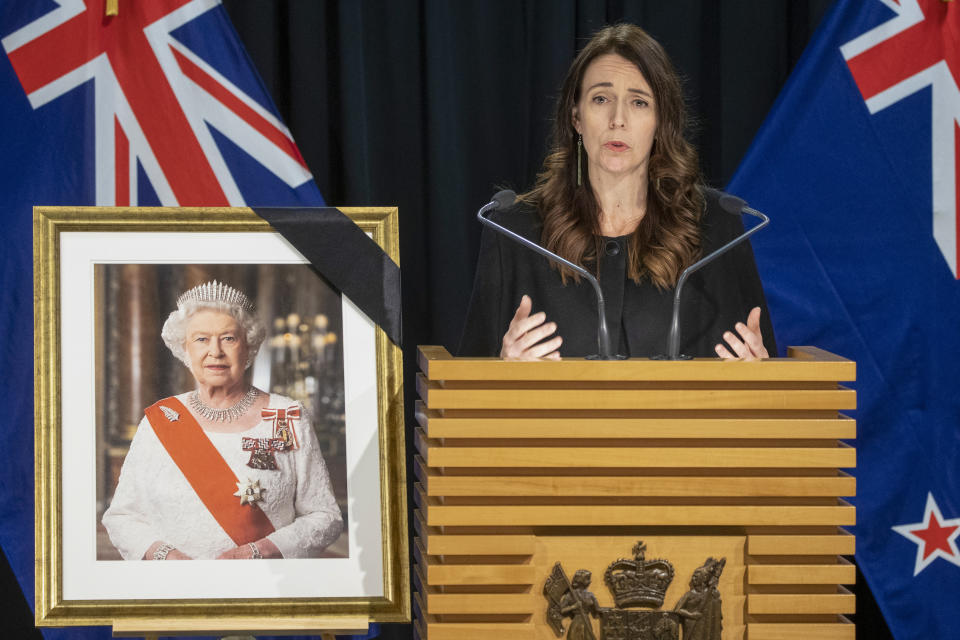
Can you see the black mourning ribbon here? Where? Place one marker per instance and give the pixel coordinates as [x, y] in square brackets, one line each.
[340, 252]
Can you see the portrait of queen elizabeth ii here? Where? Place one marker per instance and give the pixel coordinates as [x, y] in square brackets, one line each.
[223, 470]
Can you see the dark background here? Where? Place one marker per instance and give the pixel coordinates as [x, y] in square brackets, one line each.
[431, 105]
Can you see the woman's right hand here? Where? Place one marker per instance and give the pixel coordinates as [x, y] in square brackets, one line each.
[527, 336]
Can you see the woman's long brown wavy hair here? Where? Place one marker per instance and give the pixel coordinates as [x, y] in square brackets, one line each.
[668, 237]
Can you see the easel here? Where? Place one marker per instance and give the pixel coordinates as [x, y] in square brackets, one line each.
[153, 628]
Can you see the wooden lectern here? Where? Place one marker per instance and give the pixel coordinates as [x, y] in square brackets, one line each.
[600, 465]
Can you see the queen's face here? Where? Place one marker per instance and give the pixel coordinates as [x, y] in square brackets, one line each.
[616, 116]
[216, 348]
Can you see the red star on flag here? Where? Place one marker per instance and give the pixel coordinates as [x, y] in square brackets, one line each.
[934, 536]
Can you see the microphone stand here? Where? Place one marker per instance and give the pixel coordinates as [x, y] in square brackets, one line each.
[505, 199]
[735, 206]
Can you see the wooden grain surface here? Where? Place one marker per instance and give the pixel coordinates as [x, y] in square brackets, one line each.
[805, 363]
[438, 425]
[841, 544]
[439, 397]
[801, 631]
[513, 455]
[840, 573]
[806, 603]
[615, 515]
[437, 484]
[437, 455]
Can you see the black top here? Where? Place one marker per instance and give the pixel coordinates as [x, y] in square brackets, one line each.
[713, 300]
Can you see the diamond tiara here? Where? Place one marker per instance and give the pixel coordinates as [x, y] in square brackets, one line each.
[214, 291]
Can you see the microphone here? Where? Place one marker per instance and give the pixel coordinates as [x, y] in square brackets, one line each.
[506, 198]
[734, 206]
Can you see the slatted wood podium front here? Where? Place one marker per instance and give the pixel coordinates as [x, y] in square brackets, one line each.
[524, 464]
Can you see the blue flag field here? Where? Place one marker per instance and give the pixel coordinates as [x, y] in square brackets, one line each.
[857, 165]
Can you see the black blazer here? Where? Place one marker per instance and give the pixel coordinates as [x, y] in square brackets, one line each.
[638, 316]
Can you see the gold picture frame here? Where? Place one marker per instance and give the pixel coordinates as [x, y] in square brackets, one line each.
[212, 612]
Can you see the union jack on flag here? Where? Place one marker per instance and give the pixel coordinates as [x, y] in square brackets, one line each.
[916, 49]
[168, 110]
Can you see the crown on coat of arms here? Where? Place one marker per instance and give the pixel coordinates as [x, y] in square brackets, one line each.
[216, 292]
[639, 582]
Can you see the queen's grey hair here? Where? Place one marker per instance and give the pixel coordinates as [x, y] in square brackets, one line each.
[174, 331]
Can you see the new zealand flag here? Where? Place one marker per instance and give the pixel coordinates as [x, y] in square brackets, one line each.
[858, 166]
[156, 105]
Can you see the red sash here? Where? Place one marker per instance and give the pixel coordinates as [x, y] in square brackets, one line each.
[207, 472]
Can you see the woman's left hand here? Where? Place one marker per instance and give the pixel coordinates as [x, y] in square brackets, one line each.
[748, 345]
[244, 552]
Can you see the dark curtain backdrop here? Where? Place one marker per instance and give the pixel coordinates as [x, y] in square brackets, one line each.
[431, 105]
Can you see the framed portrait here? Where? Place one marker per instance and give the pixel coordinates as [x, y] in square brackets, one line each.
[123, 365]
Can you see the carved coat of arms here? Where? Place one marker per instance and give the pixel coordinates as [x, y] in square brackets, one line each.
[635, 583]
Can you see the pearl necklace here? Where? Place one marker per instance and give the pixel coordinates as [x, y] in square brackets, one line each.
[223, 415]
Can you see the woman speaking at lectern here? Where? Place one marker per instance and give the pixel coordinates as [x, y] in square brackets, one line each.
[620, 195]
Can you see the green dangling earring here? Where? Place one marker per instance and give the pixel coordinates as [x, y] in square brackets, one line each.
[579, 148]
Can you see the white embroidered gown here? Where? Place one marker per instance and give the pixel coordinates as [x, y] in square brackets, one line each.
[154, 501]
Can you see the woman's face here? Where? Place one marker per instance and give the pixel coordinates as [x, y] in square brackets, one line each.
[616, 116]
[217, 348]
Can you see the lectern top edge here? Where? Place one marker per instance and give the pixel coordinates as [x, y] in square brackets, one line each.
[803, 364]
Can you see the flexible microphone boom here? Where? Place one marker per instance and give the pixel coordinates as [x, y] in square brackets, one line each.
[734, 206]
[506, 198]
